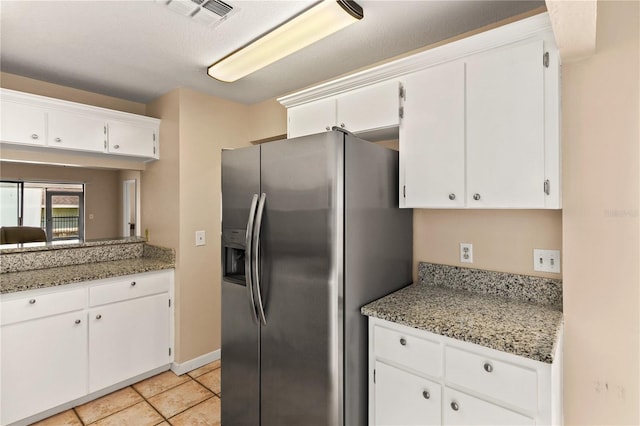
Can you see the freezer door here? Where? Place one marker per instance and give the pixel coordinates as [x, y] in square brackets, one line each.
[240, 330]
[301, 281]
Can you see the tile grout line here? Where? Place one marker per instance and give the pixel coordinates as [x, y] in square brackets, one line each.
[193, 406]
[150, 404]
[115, 412]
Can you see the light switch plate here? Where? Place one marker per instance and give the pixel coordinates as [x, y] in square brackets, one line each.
[546, 260]
[201, 238]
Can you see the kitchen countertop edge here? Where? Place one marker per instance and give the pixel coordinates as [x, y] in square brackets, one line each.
[519, 328]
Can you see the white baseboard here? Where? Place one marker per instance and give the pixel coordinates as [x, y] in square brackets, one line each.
[192, 364]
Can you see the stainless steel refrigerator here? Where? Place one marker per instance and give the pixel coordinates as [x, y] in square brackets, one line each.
[311, 231]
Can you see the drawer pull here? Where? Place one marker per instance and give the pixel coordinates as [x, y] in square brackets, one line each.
[403, 341]
[426, 394]
[98, 316]
[452, 196]
[454, 406]
[78, 321]
[116, 146]
[57, 140]
[488, 367]
[133, 283]
[34, 136]
[32, 301]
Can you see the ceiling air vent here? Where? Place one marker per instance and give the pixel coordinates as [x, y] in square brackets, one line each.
[207, 12]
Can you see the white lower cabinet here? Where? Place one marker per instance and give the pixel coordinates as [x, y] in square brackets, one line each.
[402, 398]
[44, 364]
[420, 378]
[63, 343]
[127, 338]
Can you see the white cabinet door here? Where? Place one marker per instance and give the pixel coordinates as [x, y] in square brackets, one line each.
[370, 108]
[465, 410]
[132, 139]
[44, 364]
[314, 117]
[23, 124]
[127, 339]
[505, 128]
[76, 131]
[402, 398]
[432, 167]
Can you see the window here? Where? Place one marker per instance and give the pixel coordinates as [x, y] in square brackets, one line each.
[58, 208]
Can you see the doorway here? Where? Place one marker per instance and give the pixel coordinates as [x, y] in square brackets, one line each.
[129, 209]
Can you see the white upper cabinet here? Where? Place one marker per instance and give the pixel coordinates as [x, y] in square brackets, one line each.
[505, 128]
[370, 108]
[366, 109]
[132, 139]
[56, 124]
[23, 124]
[432, 150]
[478, 122]
[314, 117]
[68, 130]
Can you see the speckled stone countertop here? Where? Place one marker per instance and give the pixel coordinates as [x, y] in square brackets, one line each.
[152, 258]
[498, 322]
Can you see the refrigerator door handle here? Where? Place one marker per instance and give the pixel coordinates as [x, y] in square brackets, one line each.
[256, 257]
[247, 258]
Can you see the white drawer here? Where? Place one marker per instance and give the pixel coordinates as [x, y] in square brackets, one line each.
[42, 305]
[513, 384]
[407, 349]
[129, 287]
[465, 410]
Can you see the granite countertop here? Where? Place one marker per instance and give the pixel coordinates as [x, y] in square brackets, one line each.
[152, 259]
[512, 326]
[51, 277]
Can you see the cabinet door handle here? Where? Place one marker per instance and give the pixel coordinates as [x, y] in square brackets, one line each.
[133, 283]
[32, 301]
[34, 136]
[57, 140]
[116, 146]
[403, 341]
[78, 321]
[328, 128]
[452, 196]
[342, 125]
[488, 367]
[476, 196]
[98, 316]
[426, 394]
[454, 406]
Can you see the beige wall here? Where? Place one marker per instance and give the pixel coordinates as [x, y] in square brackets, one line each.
[267, 119]
[42, 88]
[181, 195]
[101, 192]
[503, 240]
[601, 135]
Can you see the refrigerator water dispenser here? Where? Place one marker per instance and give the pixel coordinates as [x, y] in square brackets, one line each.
[233, 249]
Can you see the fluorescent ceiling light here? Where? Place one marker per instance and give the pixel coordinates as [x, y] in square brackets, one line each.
[324, 19]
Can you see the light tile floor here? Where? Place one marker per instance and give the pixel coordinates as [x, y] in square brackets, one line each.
[166, 399]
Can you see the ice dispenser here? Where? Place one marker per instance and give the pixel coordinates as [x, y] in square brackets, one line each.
[233, 246]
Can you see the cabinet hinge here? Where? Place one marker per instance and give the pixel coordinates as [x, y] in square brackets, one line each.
[169, 351]
[154, 136]
[374, 376]
[402, 92]
[154, 150]
[547, 187]
[169, 302]
[401, 112]
[105, 130]
[404, 191]
[545, 59]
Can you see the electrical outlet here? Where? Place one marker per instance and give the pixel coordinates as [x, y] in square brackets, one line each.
[466, 252]
[546, 260]
[201, 239]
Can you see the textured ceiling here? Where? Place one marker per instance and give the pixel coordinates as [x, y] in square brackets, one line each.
[139, 50]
